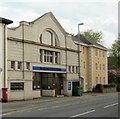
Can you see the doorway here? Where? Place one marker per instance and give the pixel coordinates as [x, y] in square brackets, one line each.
[74, 85]
[58, 83]
[48, 82]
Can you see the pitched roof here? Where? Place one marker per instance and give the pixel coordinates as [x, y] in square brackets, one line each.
[82, 39]
[5, 21]
[50, 14]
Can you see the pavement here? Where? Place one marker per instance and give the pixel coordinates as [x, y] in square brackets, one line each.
[93, 103]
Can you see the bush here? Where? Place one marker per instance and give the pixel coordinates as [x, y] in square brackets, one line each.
[105, 85]
[99, 86]
[109, 85]
[112, 85]
[118, 87]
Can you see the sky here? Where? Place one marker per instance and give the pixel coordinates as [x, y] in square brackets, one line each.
[98, 15]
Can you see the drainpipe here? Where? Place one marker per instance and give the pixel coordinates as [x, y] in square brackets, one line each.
[66, 57]
[23, 47]
[23, 56]
[79, 63]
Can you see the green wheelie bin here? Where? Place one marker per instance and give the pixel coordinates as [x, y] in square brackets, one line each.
[80, 91]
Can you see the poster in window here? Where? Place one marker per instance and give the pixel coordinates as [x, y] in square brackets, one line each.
[70, 85]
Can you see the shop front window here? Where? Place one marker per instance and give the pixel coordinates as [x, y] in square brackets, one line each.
[36, 81]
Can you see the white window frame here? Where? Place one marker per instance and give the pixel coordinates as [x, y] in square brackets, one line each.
[19, 65]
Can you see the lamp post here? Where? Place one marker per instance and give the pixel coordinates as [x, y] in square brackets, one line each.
[79, 53]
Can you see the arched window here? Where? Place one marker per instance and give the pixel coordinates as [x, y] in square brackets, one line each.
[41, 38]
[49, 37]
[56, 43]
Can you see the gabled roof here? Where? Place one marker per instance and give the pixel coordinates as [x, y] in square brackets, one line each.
[5, 21]
[83, 40]
[50, 14]
[53, 18]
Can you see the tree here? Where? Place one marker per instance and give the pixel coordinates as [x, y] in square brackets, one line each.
[114, 56]
[93, 35]
[114, 63]
[114, 77]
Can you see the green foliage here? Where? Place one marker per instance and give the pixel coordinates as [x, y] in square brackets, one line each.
[115, 49]
[114, 56]
[93, 35]
[118, 87]
[112, 84]
[99, 86]
[109, 85]
[112, 62]
[114, 77]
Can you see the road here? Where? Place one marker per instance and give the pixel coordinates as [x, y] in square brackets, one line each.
[88, 105]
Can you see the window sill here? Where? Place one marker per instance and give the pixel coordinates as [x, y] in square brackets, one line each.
[16, 90]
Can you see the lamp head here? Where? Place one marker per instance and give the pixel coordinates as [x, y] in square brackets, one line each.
[81, 24]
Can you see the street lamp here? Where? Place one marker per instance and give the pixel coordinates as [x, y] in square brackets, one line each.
[79, 29]
[79, 53]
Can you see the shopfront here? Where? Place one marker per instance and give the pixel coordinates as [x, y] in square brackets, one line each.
[49, 83]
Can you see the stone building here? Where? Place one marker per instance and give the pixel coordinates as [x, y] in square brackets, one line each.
[43, 60]
[3, 52]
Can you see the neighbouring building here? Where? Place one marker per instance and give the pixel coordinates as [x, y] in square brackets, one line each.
[3, 53]
[43, 60]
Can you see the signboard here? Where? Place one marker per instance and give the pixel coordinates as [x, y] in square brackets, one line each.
[69, 85]
[49, 69]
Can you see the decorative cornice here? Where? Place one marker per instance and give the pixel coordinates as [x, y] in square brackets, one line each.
[36, 43]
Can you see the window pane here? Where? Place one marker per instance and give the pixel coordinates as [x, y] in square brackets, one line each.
[28, 65]
[12, 64]
[19, 65]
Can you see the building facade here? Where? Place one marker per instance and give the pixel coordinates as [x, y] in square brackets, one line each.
[3, 53]
[43, 60]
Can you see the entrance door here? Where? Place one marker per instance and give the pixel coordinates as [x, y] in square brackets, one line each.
[57, 86]
[74, 85]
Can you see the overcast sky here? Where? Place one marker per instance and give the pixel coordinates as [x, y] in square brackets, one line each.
[99, 15]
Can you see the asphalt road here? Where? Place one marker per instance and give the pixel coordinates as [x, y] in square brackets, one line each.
[89, 105]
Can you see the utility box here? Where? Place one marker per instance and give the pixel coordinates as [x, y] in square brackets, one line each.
[4, 95]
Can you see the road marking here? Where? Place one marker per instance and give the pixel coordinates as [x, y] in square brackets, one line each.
[83, 113]
[31, 107]
[111, 105]
[34, 106]
[55, 106]
[42, 108]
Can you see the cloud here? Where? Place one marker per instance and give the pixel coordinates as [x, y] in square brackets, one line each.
[108, 38]
[59, 1]
[100, 16]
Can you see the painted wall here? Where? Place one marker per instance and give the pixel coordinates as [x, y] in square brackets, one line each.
[100, 60]
[84, 66]
[88, 60]
[1, 57]
[32, 33]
